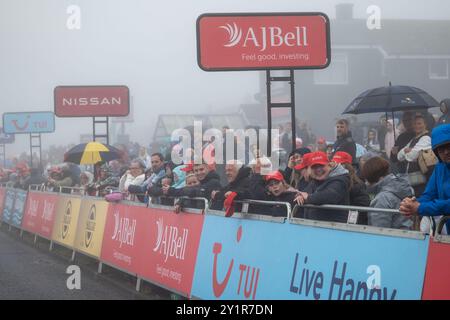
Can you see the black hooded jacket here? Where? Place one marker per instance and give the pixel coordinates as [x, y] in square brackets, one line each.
[346, 144]
[210, 183]
[240, 185]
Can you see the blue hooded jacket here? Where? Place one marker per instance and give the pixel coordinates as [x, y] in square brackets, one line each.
[435, 201]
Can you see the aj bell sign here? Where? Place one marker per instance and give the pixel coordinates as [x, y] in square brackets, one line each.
[250, 41]
[92, 101]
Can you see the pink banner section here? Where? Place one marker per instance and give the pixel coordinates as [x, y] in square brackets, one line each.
[40, 212]
[172, 241]
[157, 245]
[124, 239]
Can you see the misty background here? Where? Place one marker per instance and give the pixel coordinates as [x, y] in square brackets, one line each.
[151, 48]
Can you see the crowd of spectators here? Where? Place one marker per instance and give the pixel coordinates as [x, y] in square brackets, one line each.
[409, 171]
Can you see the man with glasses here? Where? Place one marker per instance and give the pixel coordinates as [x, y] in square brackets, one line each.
[435, 201]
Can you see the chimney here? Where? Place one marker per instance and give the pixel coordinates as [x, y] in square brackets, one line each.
[344, 11]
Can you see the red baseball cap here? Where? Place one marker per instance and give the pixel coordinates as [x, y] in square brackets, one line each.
[342, 157]
[305, 162]
[318, 157]
[276, 175]
[189, 167]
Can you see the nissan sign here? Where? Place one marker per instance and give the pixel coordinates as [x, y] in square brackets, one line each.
[92, 101]
[262, 41]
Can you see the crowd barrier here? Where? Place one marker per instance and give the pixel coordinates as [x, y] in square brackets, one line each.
[201, 254]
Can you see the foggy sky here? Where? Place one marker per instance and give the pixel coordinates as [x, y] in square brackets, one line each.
[150, 46]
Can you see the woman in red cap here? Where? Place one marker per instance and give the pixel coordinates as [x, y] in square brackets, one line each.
[295, 158]
[303, 172]
[330, 184]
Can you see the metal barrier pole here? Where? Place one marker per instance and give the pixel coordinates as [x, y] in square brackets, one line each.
[138, 284]
[441, 224]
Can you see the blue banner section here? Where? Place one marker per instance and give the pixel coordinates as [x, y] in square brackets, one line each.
[19, 208]
[250, 259]
[8, 207]
[29, 122]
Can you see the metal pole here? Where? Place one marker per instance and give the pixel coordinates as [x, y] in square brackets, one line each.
[40, 151]
[269, 115]
[393, 123]
[3, 147]
[107, 130]
[138, 284]
[93, 128]
[294, 134]
[31, 150]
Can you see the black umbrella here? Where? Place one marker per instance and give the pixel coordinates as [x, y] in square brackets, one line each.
[391, 99]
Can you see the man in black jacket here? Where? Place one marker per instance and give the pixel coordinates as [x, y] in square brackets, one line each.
[344, 140]
[402, 140]
[238, 178]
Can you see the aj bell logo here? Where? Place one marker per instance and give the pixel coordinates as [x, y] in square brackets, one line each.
[169, 243]
[124, 230]
[265, 37]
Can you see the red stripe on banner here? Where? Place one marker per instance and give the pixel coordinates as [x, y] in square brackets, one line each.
[437, 281]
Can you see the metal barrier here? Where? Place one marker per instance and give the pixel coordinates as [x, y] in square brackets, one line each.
[351, 225]
[43, 187]
[72, 190]
[36, 187]
[176, 199]
[353, 210]
[198, 199]
[247, 202]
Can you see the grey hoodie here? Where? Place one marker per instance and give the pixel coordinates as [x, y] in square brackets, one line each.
[390, 191]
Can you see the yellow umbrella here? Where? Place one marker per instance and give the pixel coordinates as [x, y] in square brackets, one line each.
[91, 153]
